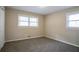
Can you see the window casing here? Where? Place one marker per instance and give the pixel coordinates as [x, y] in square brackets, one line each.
[27, 21]
[22, 21]
[73, 20]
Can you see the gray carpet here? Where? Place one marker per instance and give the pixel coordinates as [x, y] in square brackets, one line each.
[38, 45]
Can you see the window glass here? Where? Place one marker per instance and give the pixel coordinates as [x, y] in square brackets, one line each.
[33, 24]
[74, 17]
[27, 21]
[73, 20]
[33, 20]
[23, 21]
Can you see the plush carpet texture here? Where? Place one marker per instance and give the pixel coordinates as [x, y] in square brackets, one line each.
[38, 45]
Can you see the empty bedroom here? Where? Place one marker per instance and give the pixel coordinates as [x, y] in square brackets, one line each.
[39, 28]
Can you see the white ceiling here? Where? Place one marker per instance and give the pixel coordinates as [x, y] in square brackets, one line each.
[40, 10]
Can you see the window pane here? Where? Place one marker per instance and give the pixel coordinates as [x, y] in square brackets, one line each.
[23, 24]
[33, 24]
[33, 19]
[23, 19]
[73, 24]
[74, 17]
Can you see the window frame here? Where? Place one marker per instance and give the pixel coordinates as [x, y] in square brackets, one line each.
[33, 22]
[67, 20]
[22, 21]
[29, 22]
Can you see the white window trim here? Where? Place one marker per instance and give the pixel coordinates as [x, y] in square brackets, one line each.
[67, 20]
[29, 21]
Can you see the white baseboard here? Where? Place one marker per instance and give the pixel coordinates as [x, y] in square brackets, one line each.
[62, 41]
[23, 38]
[47, 37]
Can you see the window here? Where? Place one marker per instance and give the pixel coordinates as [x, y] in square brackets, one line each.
[23, 21]
[73, 20]
[28, 21]
[33, 22]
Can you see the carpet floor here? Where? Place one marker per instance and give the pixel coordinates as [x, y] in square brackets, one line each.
[38, 45]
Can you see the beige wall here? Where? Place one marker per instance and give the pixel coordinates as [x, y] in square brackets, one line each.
[2, 23]
[55, 26]
[14, 32]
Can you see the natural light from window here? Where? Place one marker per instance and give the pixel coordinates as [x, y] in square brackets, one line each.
[23, 21]
[73, 20]
[33, 21]
[27, 21]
